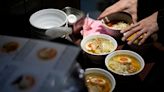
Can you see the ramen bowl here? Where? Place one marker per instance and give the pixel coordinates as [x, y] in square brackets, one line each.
[97, 46]
[124, 62]
[99, 80]
[116, 22]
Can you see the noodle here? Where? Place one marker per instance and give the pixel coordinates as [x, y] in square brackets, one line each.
[125, 66]
[97, 83]
[99, 45]
[118, 25]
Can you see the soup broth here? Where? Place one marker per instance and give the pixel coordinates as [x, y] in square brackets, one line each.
[99, 45]
[97, 83]
[124, 64]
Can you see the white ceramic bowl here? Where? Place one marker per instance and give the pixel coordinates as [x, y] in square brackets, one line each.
[119, 17]
[125, 52]
[103, 72]
[97, 58]
[48, 18]
[90, 37]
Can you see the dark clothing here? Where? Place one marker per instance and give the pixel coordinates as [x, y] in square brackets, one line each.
[160, 21]
[146, 8]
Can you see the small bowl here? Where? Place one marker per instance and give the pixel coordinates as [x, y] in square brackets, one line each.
[97, 55]
[48, 18]
[103, 72]
[116, 19]
[73, 14]
[124, 62]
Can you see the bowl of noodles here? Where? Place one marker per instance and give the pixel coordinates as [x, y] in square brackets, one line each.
[124, 62]
[116, 22]
[99, 80]
[97, 46]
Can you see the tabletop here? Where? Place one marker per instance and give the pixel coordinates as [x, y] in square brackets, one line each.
[145, 79]
[135, 83]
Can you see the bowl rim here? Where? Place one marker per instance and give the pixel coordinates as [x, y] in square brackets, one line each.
[106, 18]
[105, 73]
[47, 10]
[132, 53]
[86, 38]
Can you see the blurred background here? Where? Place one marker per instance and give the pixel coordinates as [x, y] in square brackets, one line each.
[94, 7]
[14, 14]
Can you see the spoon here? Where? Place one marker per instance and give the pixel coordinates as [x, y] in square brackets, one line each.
[58, 32]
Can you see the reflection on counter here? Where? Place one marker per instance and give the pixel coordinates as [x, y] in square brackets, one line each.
[38, 66]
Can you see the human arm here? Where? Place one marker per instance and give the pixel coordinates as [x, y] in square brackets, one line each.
[146, 27]
[129, 6]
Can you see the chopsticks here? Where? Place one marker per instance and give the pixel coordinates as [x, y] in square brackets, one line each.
[88, 26]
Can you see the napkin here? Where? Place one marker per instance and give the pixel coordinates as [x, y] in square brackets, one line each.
[92, 26]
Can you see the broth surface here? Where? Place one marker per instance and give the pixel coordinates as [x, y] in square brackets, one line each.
[97, 83]
[99, 45]
[123, 63]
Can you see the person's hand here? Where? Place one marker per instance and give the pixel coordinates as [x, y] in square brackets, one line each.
[144, 28]
[129, 6]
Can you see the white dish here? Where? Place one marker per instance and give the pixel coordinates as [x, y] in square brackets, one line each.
[102, 72]
[119, 66]
[48, 18]
[106, 48]
[90, 37]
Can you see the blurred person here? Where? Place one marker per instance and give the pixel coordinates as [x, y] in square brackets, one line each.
[129, 6]
[147, 20]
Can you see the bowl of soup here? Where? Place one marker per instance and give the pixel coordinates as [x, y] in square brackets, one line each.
[97, 46]
[116, 22]
[99, 80]
[124, 62]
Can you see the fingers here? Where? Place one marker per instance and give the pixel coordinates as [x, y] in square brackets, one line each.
[137, 37]
[132, 13]
[134, 18]
[135, 34]
[130, 27]
[145, 36]
[111, 9]
[130, 31]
